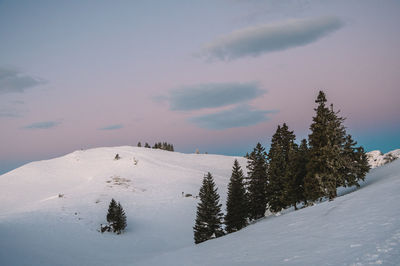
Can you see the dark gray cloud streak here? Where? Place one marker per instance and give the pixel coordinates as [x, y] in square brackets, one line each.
[42, 125]
[112, 127]
[213, 95]
[240, 116]
[12, 80]
[261, 39]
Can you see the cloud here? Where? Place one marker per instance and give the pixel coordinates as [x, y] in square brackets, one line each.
[266, 38]
[42, 125]
[240, 116]
[112, 127]
[12, 80]
[211, 95]
[8, 112]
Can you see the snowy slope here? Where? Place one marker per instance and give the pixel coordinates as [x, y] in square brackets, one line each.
[377, 158]
[37, 227]
[42, 228]
[359, 228]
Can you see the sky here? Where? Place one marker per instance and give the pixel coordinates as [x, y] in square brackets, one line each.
[217, 76]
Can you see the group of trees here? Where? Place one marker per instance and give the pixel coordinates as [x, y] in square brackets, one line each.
[158, 145]
[290, 174]
[116, 218]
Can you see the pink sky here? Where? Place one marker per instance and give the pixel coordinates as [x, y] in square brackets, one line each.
[83, 74]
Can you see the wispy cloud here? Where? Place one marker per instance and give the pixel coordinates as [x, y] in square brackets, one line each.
[12, 80]
[9, 112]
[42, 125]
[261, 39]
[211, 95]
[240, 116]
[112, 127]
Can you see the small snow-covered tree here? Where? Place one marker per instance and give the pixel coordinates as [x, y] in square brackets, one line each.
[120, 219]
[112, 210]
[116, 218]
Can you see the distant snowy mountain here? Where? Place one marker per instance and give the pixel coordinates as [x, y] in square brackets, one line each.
[50, 213]
[376, 158]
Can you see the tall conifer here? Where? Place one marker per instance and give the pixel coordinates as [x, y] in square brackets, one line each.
[257, 182]
[332, 156]
[319, 168]
[281, 153]
[236, 205]
[296, 171]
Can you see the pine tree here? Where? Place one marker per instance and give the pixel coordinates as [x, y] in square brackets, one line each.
[296, 171]
[326, 142]
[317, 167]
[236, 205]
[120, 219]
[257, 182]
[146, 145]
[355, 164]
[209, 217]
[279, 185]
[112, 210]
[139, 144]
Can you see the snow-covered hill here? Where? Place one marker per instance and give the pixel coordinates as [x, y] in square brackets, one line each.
[38, 227]
[50, 212]
[377, 158]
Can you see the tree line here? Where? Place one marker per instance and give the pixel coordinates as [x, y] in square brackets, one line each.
[290, 174]
[158, 145]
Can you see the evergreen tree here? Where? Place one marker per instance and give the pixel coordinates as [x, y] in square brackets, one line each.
[139, 144]
[236, 205]
[326, 142]
[209, 217]
[146, 145]
[317, 167]
[355, 164]
[257, 182]
[120, 219]
[112, 210]
[279, 185]
[296, 171]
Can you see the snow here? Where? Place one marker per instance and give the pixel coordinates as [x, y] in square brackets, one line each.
[376, 158]
[50, 212]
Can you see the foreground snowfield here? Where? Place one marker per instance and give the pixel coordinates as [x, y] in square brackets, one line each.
[37, 227]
